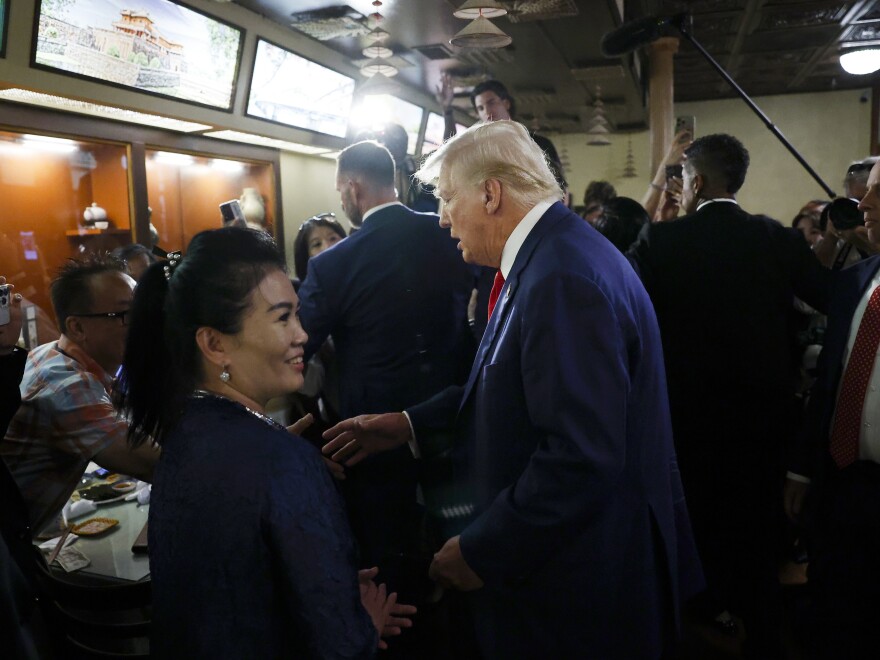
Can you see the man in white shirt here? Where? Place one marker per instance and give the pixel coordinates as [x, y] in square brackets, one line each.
[839, 461]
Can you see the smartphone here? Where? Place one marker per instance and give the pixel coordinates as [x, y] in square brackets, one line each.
[5, 314]
[686, 123]
[231, 213]
[673, 172]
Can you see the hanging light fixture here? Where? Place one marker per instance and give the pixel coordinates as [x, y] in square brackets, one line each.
[379, 83]
[629, 169]
[377, 35]
[861, 62]
[379, 65]
[377, 50]
[481, 33]
[476, 8]
[599, 127]
[378, 53]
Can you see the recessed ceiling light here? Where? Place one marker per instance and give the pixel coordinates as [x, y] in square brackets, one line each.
[861, 62]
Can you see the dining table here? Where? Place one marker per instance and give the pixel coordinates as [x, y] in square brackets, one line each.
[110, 554]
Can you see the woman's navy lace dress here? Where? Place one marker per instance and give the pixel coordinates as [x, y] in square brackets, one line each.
[250, 551]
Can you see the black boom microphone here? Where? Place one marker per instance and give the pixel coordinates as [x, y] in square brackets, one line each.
[643, 31]
[635, 34]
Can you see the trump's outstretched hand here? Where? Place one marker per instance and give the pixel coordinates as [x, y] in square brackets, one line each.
[352, 440]
[449, 569]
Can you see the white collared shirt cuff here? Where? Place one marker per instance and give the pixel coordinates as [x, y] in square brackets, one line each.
[413, 445]
[797, 477]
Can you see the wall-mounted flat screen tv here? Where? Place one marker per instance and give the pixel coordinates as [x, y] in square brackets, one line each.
[289, 89]
[4, 19]
[433, 133]
[155, 46]
[373, 111]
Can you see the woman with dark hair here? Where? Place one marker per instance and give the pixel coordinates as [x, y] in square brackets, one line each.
[319, 395]
[250, 550]
[315, 235]
[621, 220]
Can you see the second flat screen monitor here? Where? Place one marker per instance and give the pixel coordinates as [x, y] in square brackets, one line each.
[292, 90]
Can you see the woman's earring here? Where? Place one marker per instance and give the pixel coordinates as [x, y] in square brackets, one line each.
[224, 375]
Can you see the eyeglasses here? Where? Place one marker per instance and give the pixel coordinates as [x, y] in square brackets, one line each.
[122, 316]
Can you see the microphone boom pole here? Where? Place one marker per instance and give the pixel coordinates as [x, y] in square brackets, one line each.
[679, 25]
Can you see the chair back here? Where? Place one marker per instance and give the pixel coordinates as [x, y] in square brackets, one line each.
[95, 620]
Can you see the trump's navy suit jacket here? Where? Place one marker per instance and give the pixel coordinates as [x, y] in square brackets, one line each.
[565, 435]
[394, 297]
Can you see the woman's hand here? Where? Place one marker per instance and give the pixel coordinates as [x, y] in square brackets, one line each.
[389, 616]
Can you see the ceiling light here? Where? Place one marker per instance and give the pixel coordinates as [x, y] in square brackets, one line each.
[222, 165]
[477, 8]
[378, 51]
[379, 84]
[108, 112]
[49, 144]
[263, 141]
[379, 65]
[481, 33]
[377, 34]
[860, 62]
[171, 158]
[599, 127]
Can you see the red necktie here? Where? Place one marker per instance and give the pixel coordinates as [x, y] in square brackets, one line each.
[497, 285]
[848, 417]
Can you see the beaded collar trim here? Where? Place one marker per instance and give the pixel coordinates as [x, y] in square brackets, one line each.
[211, 396]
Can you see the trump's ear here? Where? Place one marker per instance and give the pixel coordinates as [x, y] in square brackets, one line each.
[492, 195]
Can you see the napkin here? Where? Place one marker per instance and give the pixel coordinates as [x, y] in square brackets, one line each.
[73, 510]
[49, 546]
[144, 495]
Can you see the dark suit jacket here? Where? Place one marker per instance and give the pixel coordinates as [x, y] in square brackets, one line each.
[566, 440]
[394, 297]
[722, 282]
[18, 588]
[812, 457]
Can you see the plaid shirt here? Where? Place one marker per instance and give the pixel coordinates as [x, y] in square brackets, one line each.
[65, 418]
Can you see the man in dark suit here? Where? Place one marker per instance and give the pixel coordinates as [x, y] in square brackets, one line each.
[839, 461]
[394, 297]
[18, 582]
[564, 448]
[722, 282]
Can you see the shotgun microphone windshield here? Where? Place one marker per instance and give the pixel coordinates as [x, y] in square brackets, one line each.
[638, 33]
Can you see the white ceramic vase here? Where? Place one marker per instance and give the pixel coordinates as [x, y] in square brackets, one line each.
[252, 206]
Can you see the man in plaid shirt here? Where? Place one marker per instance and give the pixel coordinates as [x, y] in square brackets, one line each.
[66, 418]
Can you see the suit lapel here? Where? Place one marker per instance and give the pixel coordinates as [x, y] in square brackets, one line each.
[502, 309]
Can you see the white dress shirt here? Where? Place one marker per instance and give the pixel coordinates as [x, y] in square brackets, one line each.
[869, 435]
[376, 209]
[508, 256]
[725, 200]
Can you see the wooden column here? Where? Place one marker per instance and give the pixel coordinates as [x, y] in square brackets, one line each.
[661, 98]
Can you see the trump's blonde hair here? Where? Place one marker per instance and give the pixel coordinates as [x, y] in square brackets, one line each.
[501, 150]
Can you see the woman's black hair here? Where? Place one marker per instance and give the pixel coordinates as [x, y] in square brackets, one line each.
[621, 221]
[211, 287]
[301, 242]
